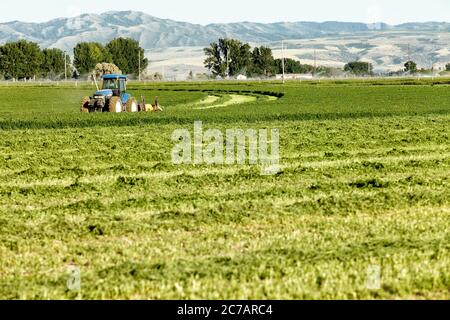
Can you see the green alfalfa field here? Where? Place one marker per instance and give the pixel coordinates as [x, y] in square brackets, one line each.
[365, 183]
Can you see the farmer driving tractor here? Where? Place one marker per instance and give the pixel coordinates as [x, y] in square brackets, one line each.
[113, 97]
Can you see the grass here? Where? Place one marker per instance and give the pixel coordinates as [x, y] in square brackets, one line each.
[365, 182]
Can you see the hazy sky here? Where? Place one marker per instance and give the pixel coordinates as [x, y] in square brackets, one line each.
[208, 11]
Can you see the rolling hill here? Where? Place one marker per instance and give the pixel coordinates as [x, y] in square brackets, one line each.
[178, 45]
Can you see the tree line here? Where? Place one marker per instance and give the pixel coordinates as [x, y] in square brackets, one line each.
[26, 60]
[231, 57]
[227, 57]
[360, 68]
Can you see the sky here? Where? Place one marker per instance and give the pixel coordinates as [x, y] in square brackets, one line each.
[222, 11]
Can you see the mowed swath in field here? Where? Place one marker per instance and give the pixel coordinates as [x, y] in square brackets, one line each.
[365, 182]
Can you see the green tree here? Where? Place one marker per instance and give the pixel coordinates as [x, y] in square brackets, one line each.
[359, 68]
[447, 67]
[243, 60]
[125, 53]
[214, 61]
[411, 67]
[21, 59]
[240, 57]
[228, 55]
[263, 61]
[292, 66]
[88, 54]
[53, 64]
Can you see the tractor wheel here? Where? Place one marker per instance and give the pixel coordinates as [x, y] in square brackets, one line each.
[115, 105]
[85, 105]
[132, 105]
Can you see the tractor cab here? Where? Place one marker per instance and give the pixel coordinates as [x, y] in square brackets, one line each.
[116, 83]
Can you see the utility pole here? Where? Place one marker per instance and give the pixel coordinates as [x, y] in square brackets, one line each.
[409, 52]
[315, 62]
[65, 66]
[282, 59]
[139, 64]
[14, 70]
[432, 58]
[228, 62]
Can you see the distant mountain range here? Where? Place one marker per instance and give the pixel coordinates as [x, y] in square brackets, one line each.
[152, 32]
[176, 48]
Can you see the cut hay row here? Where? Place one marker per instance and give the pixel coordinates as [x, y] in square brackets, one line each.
[364, 182]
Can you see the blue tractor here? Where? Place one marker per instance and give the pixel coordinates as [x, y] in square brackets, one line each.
[113, 97]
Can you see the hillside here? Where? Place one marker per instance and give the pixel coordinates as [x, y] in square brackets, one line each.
[177, 45]
[160, 33]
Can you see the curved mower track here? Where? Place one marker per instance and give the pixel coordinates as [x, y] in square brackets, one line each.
[217, 100]
[234, 99]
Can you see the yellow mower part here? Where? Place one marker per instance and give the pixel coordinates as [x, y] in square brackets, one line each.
[152, 108]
